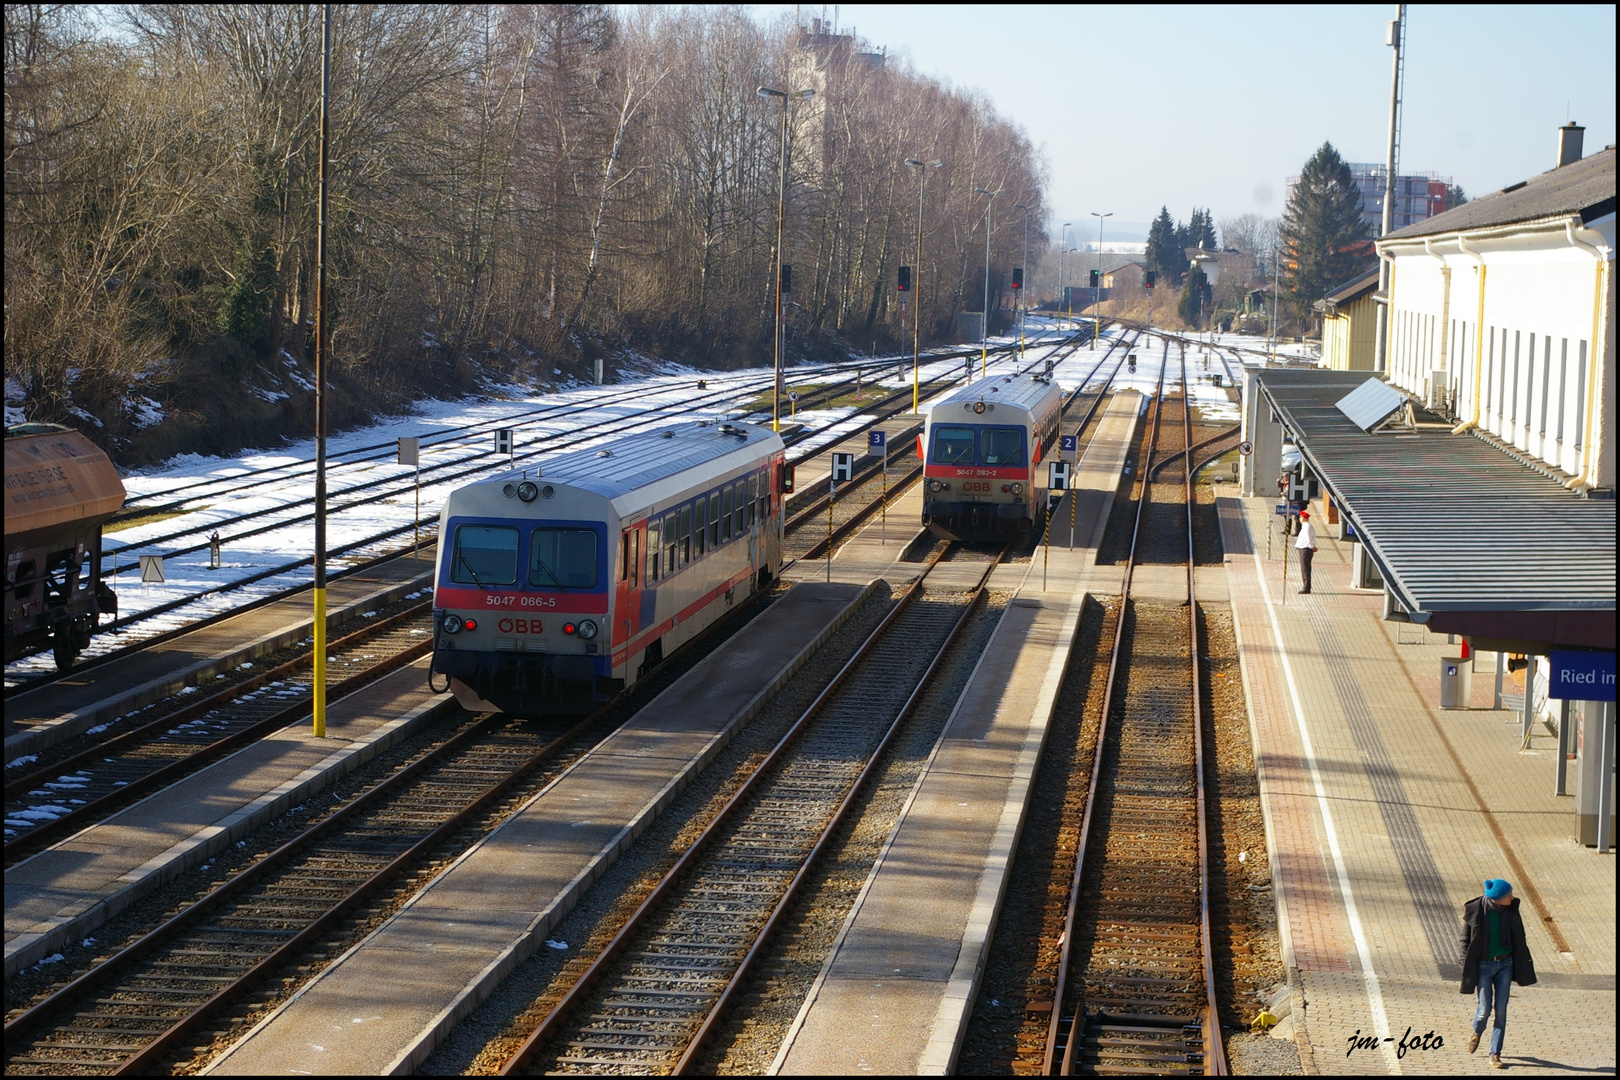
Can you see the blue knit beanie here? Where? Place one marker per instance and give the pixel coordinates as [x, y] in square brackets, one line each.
[1496, 888]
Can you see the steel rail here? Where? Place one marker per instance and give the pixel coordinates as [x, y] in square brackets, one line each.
[62, 1000]
[1228, 433]
[139, 734]
[1060, 989]
[36, 682]
[80, 816]
[1214, 1048]
[611, 952]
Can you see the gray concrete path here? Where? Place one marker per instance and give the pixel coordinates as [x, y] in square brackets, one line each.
[1386, 814]
[896, 993]
[42, 718]
[384, 1005]
[67, 891]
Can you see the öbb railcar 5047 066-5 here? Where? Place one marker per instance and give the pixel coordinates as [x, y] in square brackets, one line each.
[980, 449]
[558, 588]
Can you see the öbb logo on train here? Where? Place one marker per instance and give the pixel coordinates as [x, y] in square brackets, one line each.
[520, 626]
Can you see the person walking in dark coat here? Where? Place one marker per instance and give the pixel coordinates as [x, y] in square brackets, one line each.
[1493, 955]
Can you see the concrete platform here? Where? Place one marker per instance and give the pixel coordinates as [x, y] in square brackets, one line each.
[384, 1005]
[1385, 815]
[897, 990]
[65, 892]
[38, 719]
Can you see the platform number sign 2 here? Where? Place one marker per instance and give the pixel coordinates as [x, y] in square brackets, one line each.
[1068, 444]
[843, 468]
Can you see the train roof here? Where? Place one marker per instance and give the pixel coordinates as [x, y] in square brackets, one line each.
[632, 462]
[1021, 391]
[57, 478]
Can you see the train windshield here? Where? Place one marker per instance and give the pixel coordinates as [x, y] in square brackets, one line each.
[1001, 446]
[484, 555]
[562, 559]
[953, 445]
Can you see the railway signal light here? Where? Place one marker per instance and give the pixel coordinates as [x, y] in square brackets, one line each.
[1018, 277]
[1149, 279]
[1096, 277]
[787, 277]
[905, 279]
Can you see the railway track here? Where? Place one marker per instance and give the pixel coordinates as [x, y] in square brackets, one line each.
[193, 728]
[1134, 988]
[649, 1000]
[130, 1010]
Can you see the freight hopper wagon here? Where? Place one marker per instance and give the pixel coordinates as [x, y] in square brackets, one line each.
[60, 490]
[557, 588]
[980, 449]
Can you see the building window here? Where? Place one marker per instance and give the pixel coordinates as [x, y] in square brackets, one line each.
[1546, 375]
[1580, 396]
[1513, 402]
[1563, 385]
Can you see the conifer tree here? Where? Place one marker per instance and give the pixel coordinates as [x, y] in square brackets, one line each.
[1163, 246]
[1325, 241]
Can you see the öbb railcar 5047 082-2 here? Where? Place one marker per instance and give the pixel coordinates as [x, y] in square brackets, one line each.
[558, 588]
[980, 449]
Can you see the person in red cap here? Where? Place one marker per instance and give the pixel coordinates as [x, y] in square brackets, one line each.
[1494, 954]
[1306, 543]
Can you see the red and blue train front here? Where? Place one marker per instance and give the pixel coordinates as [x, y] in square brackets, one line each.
[977, 481]
[521, 615]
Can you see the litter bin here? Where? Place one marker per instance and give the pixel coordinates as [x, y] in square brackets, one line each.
[1455, 683]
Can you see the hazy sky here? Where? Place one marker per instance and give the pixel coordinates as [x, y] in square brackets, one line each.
[1137, 107]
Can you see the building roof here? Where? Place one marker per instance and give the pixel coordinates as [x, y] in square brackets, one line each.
[1454, 524]
[1120, 264]
[1584, 187]
[1349, 292]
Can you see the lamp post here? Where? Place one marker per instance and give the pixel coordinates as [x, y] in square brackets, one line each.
[984, 341]
[916, 279]
[1024, 263]
[1096, 315]
[781, 205]
[1063, 247]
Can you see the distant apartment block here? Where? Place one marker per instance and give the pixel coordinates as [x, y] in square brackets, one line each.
[1418, 196]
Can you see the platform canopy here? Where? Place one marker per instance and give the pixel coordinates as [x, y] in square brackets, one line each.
[1464, 534]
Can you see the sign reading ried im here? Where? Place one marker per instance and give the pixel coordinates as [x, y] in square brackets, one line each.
[1582, 676]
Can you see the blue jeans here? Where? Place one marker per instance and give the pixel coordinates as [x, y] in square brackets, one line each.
[1495, 977]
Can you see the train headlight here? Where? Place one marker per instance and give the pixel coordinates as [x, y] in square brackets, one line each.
[470, 624]
[452, 624]
[587, 629]
[527, 491]
[570, 628]
[1006, 487]
[1018, 489]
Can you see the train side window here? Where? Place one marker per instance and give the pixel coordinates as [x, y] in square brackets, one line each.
[714, 520]
[763, 503]
[753, 494]
[725, 513]
[624, 555]
[672, 522]
[685, 533]
[652, 550]
[739, 512]
[700, 526]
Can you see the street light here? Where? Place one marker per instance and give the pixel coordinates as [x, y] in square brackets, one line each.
[781, 203]
[1096, 314]
[916, 278]
[984, 342]
[1024, 263]
[1063, 249]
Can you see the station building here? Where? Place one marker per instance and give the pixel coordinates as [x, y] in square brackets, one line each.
[1502, 315]
[1475, 477]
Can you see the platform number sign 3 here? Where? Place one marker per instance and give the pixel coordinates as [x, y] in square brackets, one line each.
[843, 468]
[875, 439]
